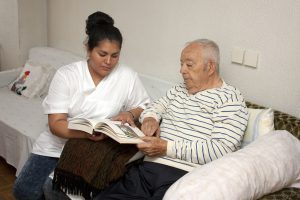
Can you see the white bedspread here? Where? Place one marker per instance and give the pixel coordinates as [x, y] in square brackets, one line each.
[21, 122]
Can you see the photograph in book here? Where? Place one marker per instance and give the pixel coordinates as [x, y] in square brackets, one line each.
[122, 133]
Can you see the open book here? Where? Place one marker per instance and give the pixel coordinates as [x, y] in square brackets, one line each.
[121, 133]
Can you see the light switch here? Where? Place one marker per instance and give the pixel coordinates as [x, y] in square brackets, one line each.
[251, 58]
[237, 55]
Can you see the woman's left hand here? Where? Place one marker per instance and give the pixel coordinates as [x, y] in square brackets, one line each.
[124, 117]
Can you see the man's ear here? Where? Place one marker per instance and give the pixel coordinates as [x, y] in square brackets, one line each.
[211, 67]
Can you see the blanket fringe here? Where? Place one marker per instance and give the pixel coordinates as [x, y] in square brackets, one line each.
[71, 184]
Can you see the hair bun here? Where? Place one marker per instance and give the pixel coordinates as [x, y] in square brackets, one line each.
[98, 19]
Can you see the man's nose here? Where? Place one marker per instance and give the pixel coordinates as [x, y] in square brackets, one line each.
[182, 69]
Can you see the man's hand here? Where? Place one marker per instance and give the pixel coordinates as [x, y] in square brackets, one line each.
[150, 127]
[153, 146]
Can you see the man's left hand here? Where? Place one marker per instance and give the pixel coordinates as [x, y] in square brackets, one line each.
[153, 146]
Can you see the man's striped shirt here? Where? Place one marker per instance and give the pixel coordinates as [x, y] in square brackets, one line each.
[199, 128]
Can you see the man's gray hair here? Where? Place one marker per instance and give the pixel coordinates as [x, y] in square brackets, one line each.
[211, 51]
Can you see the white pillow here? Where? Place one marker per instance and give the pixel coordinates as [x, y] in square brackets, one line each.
[261, 122]
[32, 80]
[44, 91]
[266, 165]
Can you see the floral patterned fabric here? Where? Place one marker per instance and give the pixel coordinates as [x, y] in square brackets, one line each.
[283, 121]
[284, 194]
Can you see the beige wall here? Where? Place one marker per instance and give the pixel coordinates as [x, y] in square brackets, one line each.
[32, 25]
[155, 31]
[23, 25]
[9, 34]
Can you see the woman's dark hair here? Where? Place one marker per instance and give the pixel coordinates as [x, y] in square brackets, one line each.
[99, 27]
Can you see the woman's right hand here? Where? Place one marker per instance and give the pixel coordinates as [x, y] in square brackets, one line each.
[97, 136]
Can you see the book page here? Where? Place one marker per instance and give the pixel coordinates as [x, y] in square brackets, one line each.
[81, 124]
[83, 121]
[110, 133]
[130, 131]
[120, 132]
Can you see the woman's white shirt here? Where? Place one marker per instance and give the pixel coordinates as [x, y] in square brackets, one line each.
[73, 91]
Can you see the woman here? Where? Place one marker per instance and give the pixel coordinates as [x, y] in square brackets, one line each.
[96, 88]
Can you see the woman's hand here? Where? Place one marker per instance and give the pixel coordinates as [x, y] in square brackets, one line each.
[125, 117]
[153, 146]
[150, 127]
[97, 136]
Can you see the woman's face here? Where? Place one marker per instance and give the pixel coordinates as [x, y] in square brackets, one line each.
[103, 58]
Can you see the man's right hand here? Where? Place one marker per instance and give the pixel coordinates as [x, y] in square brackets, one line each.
[150, 127]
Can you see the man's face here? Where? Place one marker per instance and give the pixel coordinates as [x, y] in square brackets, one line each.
[194, 71]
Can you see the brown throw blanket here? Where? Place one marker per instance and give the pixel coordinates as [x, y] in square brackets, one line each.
[85, 167]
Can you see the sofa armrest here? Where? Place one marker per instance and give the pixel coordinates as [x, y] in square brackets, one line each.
[8, 76]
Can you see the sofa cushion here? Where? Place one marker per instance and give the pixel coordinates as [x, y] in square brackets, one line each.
[261, 122]
[267, 165]
[282, 121]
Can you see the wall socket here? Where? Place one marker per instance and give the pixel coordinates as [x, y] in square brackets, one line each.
[246, 57]
[251, 58]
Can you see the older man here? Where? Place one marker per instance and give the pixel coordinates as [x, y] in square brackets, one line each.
[195, 123]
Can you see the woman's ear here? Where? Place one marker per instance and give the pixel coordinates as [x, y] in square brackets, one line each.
[88, 53]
